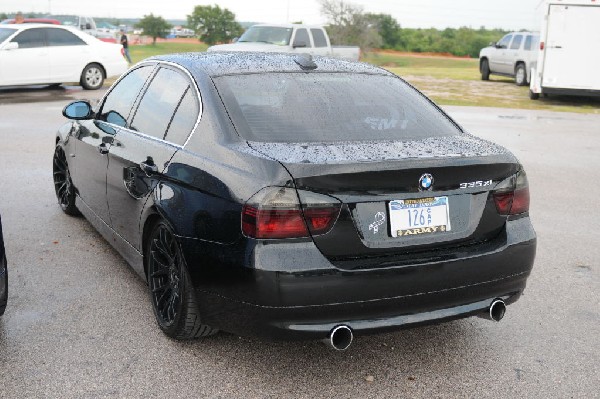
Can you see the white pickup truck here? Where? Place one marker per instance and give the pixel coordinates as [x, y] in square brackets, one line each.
[289, 38]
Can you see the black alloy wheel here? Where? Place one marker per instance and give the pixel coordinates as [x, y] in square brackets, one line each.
[63, 186]
[172, 296]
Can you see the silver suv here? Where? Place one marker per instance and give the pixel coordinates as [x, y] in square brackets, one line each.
[514, 55]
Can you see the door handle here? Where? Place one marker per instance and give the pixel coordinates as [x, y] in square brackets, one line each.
[103, 149]
[149, 169]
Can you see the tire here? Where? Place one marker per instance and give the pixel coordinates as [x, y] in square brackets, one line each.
[4, 300]
[520, 75]
[92, 77]
[63, 185]
[171, 292]
[533, 96]
[485, 70]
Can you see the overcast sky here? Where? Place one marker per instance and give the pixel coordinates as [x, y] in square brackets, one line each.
[507, 14]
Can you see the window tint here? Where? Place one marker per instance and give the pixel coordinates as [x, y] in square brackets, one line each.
[185, 118]
[31, 38]
[532, 42]
[319, 37]
[516, 43]
[158, 105]
[505, 41]
[119, 101]
[61, 37]
[302, 37]
[4, 33]
[329, 107]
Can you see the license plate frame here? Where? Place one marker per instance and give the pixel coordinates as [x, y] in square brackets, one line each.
[419, 216]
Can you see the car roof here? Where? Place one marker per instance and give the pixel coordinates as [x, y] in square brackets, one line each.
[526, 32]
[289, 26]
[236, 63]
[30, 25]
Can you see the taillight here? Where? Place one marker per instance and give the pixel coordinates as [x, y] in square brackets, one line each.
[276, 212]
[512, 195]
[542, 46]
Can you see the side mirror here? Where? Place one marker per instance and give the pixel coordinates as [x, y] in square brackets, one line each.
[299, 44]
[11, 46]
[492, 44]
[235, 39]
[115, 118]
[78, 110]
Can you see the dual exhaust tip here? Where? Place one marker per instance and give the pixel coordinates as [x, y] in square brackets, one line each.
[340, 338]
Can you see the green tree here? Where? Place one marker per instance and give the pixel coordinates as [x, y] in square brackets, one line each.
[214, 24]
[387, 27]
[3, 16]
[154, 26]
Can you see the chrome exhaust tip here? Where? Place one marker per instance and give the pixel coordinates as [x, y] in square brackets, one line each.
[340, 338]
[497, 310]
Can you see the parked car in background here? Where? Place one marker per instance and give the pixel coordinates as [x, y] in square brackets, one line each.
[3, 274]
[293, 197]
[569, 57]
[85, 24]
[32, 54]
[514, 56]
[289, 38]
[33, 21]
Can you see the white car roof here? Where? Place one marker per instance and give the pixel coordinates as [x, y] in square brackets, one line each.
[291, 26]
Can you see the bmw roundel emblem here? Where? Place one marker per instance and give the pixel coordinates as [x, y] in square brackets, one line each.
[426, 182]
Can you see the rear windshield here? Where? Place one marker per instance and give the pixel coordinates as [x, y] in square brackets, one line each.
[5, 32]
[329, 107]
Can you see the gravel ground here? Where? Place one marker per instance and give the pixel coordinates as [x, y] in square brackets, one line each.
[79, 322]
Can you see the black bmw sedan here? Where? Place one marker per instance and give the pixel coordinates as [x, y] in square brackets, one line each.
[289, 197]
[3, 274]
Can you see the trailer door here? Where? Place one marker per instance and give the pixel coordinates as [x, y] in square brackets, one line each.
[572, 59]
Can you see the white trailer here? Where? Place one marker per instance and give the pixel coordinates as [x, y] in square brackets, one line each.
[569, 58]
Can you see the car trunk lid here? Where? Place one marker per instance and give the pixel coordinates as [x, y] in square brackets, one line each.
[367, 177]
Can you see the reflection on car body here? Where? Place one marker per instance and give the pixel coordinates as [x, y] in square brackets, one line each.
[255, 196]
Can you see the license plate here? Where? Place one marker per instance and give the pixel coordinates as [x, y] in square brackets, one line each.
[419, 216]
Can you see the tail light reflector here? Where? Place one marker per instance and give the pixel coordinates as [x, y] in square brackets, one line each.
[277, 212]
[542, 45]
[512, 195]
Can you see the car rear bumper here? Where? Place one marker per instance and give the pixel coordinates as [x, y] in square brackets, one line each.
[308, 304]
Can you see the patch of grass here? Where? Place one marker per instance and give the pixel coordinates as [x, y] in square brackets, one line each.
[141, 52]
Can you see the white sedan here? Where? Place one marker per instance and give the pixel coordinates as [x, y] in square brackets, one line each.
[32, 54]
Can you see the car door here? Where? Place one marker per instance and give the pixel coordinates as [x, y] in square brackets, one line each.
[88, 160]
[141, 152]
[68, 54]
[28, 64]
[513, 54]
[497, 57]
[320, 42]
